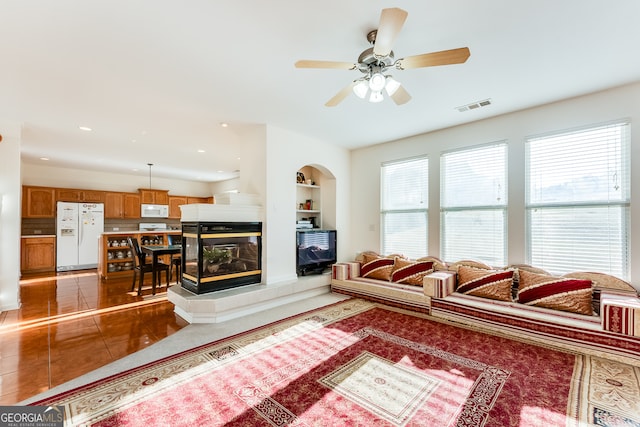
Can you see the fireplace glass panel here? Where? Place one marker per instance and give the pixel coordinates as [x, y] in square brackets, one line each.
[219, 256]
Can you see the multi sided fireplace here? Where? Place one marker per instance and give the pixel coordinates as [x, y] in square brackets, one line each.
[220, 255]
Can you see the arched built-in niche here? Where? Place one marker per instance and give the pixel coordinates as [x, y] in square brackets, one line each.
[319, 187]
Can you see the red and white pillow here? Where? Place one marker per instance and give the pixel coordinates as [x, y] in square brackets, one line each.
[395, 268]
[493, 284]
[376, 267]
[410, 272]
[566, 294]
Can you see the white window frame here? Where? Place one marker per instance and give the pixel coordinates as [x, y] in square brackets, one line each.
[607, 247]
[409, 243]
[471, 243]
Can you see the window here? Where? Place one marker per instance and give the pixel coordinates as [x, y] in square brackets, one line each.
[404, 201]
[474, 204]
[577, 185]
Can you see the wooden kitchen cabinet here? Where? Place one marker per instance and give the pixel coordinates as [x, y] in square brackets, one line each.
[38, 254]
[176, 201]
[131, 206]
[154, 197]
[113, 205]
[38, 202]
[191, 200]
[174, 206]
[73, 195]
[121, 205]
[68, 195]
[92, 196]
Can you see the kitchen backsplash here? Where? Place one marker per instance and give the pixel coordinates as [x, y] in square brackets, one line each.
[31, 226]
[44, 226]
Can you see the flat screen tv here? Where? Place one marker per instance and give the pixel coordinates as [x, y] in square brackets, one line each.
[316, 250]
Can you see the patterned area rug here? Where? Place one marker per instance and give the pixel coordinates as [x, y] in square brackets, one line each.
[357, 363]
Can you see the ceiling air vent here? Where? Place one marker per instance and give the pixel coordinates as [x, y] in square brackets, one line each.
[474, 105]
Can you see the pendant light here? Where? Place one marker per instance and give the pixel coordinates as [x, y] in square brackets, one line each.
[149, 164]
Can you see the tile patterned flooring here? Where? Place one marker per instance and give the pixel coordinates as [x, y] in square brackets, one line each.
[72, 323]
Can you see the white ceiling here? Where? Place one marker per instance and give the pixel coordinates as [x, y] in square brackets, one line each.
[155, 78]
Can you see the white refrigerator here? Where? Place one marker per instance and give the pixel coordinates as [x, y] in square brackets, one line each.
[79, 226]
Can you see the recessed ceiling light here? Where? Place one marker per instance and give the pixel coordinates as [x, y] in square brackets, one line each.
[44, 158]
[134, 140]
[238, 158]
[220, 171]
[201, 151]
[85, 128]
[135, 170]
[224, 125]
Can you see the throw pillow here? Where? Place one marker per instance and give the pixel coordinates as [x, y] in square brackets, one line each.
[493, 284]
[438, 264]
[376, 267]
[410, 272]
[566, 294]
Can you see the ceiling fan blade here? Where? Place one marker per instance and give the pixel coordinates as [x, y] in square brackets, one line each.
[340, 96]
[401, 96]
[391, 22]
[444, 57]
[304, 63]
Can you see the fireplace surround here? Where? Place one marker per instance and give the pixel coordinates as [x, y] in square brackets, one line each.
[220, 255]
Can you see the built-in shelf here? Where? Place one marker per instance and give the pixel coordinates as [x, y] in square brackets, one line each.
[311, 192]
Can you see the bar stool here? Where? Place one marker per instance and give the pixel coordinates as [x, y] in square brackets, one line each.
[176, 260]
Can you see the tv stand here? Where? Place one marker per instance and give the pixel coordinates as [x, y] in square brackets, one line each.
[303, 271]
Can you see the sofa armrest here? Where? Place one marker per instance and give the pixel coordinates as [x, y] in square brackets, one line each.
[620, 313]
[345, 270]
[439, 284]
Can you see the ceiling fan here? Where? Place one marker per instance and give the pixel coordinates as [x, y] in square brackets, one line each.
[378, 60]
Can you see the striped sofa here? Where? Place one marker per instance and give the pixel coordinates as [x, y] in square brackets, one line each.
[612, 330]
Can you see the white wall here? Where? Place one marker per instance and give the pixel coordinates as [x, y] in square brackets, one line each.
[286, 153]
[10, 205]
[50, 176]
[622, 102]
[218, 187]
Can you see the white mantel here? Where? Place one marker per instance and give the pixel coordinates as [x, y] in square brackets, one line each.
[231, 207]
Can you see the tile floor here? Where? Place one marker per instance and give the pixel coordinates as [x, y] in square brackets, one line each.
[72, 323]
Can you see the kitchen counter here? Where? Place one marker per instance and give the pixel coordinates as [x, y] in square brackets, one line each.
[129, 232]
[31, 236]
[115, 257]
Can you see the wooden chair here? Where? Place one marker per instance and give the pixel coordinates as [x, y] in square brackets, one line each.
[141, 267]
[176, 260]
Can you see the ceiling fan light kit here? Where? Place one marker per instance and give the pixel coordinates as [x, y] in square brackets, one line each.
[376, 82]
[376, 97]
[391, 85]
[361, 88]
[375, 61]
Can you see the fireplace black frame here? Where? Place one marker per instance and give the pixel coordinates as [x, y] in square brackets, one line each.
[198, 235]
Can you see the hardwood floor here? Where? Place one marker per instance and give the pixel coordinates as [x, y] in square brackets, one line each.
[72, 323]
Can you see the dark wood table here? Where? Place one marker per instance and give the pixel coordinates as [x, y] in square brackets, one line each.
[156, 251]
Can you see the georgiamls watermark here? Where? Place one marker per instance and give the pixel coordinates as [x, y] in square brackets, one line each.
[31, 416]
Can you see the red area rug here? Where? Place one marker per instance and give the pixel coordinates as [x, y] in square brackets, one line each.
[350, 364]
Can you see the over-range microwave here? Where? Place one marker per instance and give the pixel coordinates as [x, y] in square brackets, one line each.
[154, 211]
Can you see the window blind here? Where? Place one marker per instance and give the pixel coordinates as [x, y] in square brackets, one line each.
[473, 204]
[404, 203]
[578, 194]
